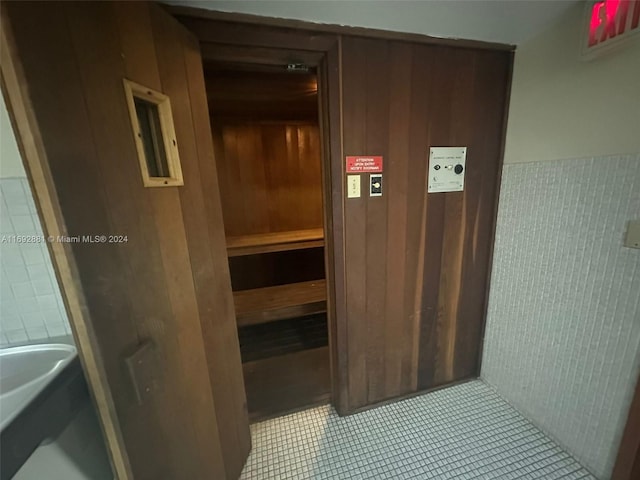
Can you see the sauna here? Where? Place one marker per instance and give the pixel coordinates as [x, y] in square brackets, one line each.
[266, 137]
[260, 275]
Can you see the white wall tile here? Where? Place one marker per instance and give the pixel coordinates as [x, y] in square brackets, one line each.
[17, 336]
[37, 333]
[56, 329]
[6, 293]
[31, 306]
[12, 188]
[23, 290]
[47, 302]
[38, 271]
[8, 305]
[11, 322]
[18, 209]
[6, 227]
[33, 319]
[562, 341]
[33, 255]
[10, 254]
[17, 273]
[42, 286]
[23, 224]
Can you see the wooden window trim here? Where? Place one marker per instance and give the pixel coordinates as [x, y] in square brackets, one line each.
[162, 101]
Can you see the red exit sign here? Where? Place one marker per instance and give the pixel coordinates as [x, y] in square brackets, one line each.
[610, 23]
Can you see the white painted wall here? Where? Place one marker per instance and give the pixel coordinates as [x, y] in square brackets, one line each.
[563, 107]
[502, 21]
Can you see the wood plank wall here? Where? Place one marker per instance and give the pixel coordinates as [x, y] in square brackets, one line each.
[410, 271]
[169, 284]
[270, 176]
[418, 264]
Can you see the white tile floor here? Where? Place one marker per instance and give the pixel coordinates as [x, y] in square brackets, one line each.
[463, 432]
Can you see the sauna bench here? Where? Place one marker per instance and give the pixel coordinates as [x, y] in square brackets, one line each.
[274, 242]
[267, 304]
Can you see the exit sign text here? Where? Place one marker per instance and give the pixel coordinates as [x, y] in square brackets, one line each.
[610, 22]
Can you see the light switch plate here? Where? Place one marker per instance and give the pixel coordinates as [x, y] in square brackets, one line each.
[632, 239]
[353, 186]
[446, 169]
[375, 185]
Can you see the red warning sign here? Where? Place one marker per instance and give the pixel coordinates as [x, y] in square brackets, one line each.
[364, 164]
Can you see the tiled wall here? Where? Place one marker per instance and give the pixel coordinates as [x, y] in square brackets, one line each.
[31, 307]
[563, 330]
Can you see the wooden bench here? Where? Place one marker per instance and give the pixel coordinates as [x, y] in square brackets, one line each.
[274, 242]
[268, 304]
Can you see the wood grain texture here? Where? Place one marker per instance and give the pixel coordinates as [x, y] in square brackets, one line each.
[354, 106]
[244, 34]
[271, 303]
[265, 48]
[202, 221]
[241, 95]
[275, 242]
[417, 264]
[398, 335]
[169, 284]
[270, 178]
[627, 465]
[330, 105]
[276, 268]
[287, 383]
[30, 143]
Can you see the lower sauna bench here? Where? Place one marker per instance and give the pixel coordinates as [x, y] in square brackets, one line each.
[285, 365]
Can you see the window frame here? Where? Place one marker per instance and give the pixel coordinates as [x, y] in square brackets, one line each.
[134, 90]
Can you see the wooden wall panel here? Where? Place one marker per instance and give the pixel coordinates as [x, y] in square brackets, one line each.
[271, 178]
[169, 283]
[418, 264]
[627, 466]
[355, 226]
[202, 219]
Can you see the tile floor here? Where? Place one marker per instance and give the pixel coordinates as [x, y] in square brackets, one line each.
[463, 432]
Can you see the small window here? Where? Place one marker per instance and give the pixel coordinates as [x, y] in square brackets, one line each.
[152, 122]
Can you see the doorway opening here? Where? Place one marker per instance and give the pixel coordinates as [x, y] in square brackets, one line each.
[267, 142]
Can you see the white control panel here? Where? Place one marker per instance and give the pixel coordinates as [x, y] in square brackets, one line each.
[446, 169]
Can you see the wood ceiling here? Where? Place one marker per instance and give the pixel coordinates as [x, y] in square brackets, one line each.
[258, 94]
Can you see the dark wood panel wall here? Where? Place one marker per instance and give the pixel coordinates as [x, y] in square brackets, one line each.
[270, 176]
[408, 272]
[417, 263]
[168, 284]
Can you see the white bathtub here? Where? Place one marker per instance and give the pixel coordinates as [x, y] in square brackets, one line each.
[25, 371]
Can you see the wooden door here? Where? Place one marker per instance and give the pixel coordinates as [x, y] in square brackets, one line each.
[163, 295]
[627, 466]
